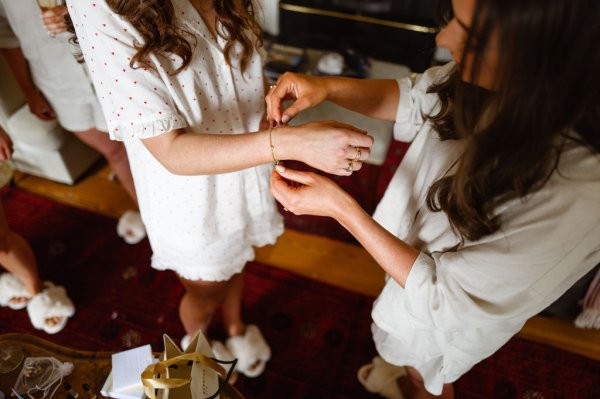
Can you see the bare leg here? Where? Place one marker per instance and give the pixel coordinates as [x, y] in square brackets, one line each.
[232, 312]
[17, 257]
[115, 154]
[199, 303]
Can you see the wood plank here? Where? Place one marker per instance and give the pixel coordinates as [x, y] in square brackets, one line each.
[96, 192]
[338, 263]
[562, 334]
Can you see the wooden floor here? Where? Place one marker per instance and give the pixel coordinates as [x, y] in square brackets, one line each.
[330, 261]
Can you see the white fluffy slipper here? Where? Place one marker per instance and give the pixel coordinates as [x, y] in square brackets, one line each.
[224, 355]
[382, 378]
[51, 302]
[131, 228]
[251, 351]
[185, 342]
[221, 352]
[10, 288]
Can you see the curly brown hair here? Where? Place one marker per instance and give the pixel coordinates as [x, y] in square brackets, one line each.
[156, 22]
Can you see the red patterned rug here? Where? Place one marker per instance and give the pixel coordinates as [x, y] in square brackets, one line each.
[319, 334]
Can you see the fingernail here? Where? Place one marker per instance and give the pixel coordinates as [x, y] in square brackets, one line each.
[280, 168]
[285, 119]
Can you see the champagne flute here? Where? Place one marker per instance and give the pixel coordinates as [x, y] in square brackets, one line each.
[46, 5]
[10, 357]
[6, 172]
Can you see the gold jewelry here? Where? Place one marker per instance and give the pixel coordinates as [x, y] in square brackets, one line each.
[358, 155]
[350, 167]
[275, 160]
[272, 87]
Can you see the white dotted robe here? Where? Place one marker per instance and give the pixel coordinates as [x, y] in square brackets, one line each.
[202, 227]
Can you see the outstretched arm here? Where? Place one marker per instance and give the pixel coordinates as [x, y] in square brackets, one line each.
[318, 195]
[327, 146]
[373, 98]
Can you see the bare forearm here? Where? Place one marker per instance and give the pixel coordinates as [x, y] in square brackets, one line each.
[202, 154]
[326, 146]
[20, 68]
[373, 98]
[392, 254]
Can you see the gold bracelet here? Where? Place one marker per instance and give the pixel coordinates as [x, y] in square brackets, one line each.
[275, 160]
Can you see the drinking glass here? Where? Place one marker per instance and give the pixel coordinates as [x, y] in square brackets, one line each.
[10, 357]
[46, 5]
[6, 172]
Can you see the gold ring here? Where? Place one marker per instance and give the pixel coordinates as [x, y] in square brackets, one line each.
[350, 167]
[358, 155]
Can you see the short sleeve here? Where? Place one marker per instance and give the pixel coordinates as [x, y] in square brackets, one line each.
[136, 101]
[7, 36]
[415, 103]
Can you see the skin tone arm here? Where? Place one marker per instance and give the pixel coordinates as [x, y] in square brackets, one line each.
[20, 68]
[324, 145]
[319, 196]
[6, 146]
[373, 98]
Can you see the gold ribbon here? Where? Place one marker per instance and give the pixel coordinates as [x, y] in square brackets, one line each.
[151, 382]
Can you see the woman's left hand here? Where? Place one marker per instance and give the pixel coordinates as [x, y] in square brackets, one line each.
[54, 20]
[316, 195]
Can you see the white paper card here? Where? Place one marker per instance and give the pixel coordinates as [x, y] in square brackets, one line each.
[107, 391]
[127, 368]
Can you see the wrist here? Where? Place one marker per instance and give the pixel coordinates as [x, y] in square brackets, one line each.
[330, 84]
[284, 142]
[347, 210]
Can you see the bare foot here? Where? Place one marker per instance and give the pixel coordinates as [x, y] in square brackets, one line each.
[404, 383]
[18, 300]
[52, 321]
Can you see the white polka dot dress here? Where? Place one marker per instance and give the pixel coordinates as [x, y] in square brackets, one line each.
[202, 227]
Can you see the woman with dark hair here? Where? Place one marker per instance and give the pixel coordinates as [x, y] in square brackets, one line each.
[181, 83]
[493, 213]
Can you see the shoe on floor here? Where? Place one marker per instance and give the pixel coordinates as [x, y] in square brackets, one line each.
[131, 228]
[251, 351]
[12, 288]
[52, 302]
[381, 377]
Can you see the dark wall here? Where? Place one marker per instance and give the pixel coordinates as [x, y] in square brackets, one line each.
[304, 27]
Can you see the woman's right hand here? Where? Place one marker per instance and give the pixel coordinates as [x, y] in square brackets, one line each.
[6, 146]
[330, 146]
[40, 107]
[306, 91]
[54, 20]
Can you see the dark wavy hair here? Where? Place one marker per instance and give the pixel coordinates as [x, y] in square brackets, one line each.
[156, 22]
[549, 86]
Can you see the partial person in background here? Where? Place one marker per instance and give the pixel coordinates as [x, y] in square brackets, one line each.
[57, 87]
[494, 211]
[47, 305]
[181, 83]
